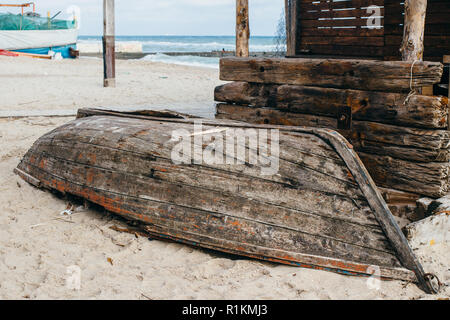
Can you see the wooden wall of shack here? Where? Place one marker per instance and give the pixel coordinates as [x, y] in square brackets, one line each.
[402, 136]
[339, 28]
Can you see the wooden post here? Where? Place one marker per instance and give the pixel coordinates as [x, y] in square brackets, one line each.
[291, 27]
[109, 56]
[446, 60]
[242, 28]
[413, 34]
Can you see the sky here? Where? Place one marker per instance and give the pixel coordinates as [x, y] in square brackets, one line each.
[167, 17]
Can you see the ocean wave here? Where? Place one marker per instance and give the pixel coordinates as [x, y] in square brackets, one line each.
[193, 61]
[155, 46]
[210, 46]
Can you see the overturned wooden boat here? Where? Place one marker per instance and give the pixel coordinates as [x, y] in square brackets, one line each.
[319, 209]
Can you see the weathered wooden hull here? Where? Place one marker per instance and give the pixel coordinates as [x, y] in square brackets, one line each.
[320, 209]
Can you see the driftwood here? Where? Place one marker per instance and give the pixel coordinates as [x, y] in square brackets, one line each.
[368, 75]
[393, 108]
[321, 209]
[371, 137]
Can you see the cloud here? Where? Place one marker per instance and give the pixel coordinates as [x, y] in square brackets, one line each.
[178, 17]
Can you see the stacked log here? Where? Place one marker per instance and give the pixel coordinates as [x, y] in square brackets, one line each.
[402, 138]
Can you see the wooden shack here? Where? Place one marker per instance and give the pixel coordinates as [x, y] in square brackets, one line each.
[381, 83]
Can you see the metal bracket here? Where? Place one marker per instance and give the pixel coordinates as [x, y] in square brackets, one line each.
[344, 118]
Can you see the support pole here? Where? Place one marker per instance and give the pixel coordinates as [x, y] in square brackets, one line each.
[109, 56]
[242, 28]
[291, 27]
[414, 29]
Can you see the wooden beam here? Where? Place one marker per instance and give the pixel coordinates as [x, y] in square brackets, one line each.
[414, 29]
[109, 59]
[418, 111]
[393, 76]
[242, 28]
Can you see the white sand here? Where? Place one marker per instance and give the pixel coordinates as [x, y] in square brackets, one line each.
[36, 250]
[66, 85]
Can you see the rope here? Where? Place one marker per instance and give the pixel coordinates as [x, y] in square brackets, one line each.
[412, 91]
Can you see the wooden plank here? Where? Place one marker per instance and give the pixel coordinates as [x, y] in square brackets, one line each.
[430, 179]
[109, 60]
[429, 40]
[242, 28]
[349, 41]
[352, 12]
[429, 52]
[435, 18]
[326, 5]
[345, 50]
[350, 32]
[336, 23]
[333, 73]
[435, 140]
[418, 111]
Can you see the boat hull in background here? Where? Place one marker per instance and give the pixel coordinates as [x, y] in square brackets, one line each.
[39, 41]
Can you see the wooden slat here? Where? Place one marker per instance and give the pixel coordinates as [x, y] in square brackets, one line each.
[359, 13]
[435, 18]
[349, 41]
[324, 5]
[352, 32]
[336, 50]
[335, 23]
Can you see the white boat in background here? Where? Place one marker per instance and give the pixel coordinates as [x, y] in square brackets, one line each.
[30, 33]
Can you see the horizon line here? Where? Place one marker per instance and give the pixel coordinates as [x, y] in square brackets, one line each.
[170, 35]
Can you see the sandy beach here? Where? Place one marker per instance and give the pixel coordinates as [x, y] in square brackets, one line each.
[39, 248]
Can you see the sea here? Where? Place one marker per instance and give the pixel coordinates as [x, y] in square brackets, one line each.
[156, 46]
